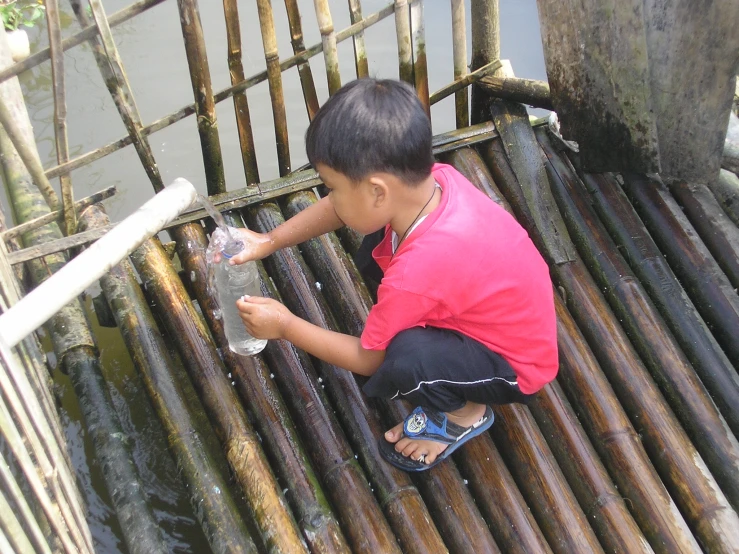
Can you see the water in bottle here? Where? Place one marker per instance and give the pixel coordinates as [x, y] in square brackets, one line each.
[233, 282]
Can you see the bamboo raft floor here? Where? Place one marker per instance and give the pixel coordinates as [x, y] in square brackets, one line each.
[624, 452]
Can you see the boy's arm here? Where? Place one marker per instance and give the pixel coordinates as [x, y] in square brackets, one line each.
[268, 319]
[315, 220]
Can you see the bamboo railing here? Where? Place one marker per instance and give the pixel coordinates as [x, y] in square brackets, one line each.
[639, 358]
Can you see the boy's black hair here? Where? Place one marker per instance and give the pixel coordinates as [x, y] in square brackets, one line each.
[372, 125]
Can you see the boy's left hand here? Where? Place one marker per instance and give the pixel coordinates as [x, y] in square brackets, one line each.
[264, 318]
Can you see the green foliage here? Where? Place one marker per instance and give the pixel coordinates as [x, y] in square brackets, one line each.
[21, 12]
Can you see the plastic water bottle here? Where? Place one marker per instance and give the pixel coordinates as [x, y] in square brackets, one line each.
[233, 282]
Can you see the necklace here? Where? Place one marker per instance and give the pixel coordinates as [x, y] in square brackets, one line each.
[433, 193]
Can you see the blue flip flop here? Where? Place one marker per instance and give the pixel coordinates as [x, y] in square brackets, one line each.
[430, 424]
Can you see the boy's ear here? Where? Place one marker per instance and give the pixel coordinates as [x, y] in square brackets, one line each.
[379, 189]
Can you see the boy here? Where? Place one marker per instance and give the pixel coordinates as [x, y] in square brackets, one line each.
[465, 312]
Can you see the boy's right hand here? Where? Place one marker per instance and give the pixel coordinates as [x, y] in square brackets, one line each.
[256, 246]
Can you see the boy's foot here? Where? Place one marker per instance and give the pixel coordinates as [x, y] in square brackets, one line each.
[427, 436]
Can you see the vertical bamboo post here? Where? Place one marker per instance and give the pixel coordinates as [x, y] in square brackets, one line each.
[241, 104]
[205, 108]
[360, 54]
[328, 38]
[274, 77]
[114, 76]
[304, 71]
[405, 42]
[60, 112]
[23, 141]
[485, 48]
[459, 50]
[420, 67]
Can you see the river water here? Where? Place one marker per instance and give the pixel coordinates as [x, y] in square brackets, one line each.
[152, 51]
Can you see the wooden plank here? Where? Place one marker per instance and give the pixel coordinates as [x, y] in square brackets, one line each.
[597, 64]
[692, 61]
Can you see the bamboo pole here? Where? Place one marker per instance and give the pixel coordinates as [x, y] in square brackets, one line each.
[199, 354]
[420, 67]
[63, 528]
[606, 423]
[726, 191]
[18, 541]
[274, 425]
[526, 91]
[679, 464]
[485, 47]
[360, 54]
[350, 302]
[328, 38]
[298, 287]
[75, 350]
[463, 82]
[78, 38]
[205, 107]
[508, 517]
[81, 204]
[11, 488]
[274, 76]
[241, 104]
[589, 480]
[23, 142]
[459, 54]
[703, 280]
[718, 232]
[647, 262]
[602, 503]
[405, 42]
[209, 494]
[304, 71]
[111, 69]
[190, 109]
[344, 481]
[541, 481]
[60, 112]
[668, 365]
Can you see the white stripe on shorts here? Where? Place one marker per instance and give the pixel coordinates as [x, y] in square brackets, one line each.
[478, 382]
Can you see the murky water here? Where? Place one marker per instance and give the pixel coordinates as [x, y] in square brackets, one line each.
[152, 51]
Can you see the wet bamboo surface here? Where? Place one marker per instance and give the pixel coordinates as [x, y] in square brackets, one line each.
[241, 445]
[694, 489]
[568, 473]
[668, 366]
[217, 513]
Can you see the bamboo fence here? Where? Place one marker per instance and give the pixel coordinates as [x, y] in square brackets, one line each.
[632, 449]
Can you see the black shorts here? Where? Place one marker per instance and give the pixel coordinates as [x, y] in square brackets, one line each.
[442, 369]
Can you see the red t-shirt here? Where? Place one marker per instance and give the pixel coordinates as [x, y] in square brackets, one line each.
[469, 267]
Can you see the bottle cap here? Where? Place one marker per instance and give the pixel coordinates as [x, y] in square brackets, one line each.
[232, 248]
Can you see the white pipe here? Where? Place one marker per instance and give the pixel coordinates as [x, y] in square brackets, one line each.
[33, 310]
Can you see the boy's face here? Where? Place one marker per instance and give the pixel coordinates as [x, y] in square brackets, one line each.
[361, 206]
